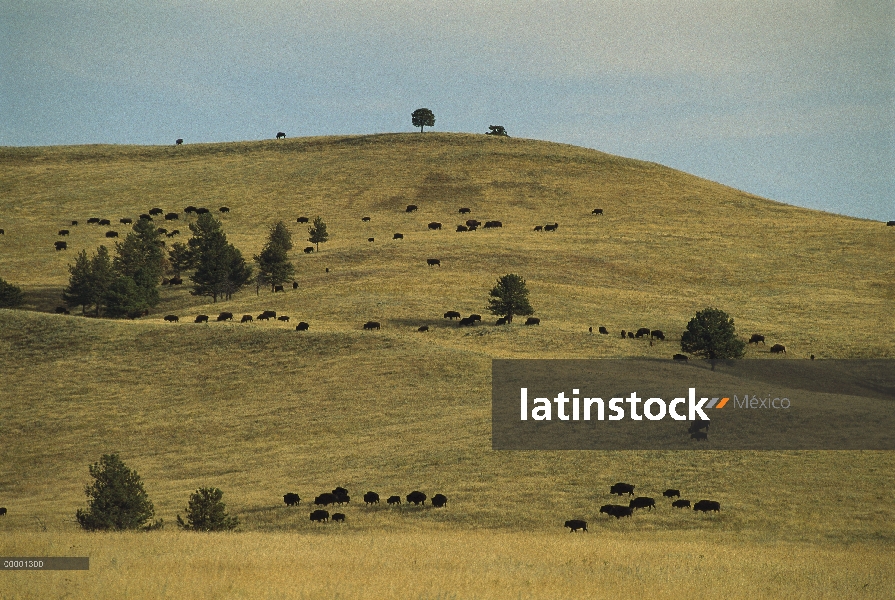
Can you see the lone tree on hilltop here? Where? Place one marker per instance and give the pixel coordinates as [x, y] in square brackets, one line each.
[10, 295]
[711, 334]
[423, 117]
[206, 512]
[317, 231]
[274, 267]
[117, 500]
[510, 297]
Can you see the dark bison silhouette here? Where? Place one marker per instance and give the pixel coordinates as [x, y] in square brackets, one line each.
[371, 325]
[223, 209]
[2, 511]
[699, 436]
[657, 333]
[309, 249]
[452, 314]
[126, 221]
[616, 510]
[680, 357]
[465, 210]
[434, 225]
[462, 228]
[302, 220]
[778, 349]
[61, 246]
[439, 500]
[707, 505]
[539, 228]
[63, 232]
[620, 489]
[371, 498]
[475, 317]
[576, 524]
[604, 331]
[225, 316]
[280, 135]
[493, 224]
[642, 332]
[756, 338]
[338, 517]
[145, 217]
[320, 516]
[283, 318]
[669, 493]
[178, 141]
[697, 425]
[890, 224]
[642, 502]
[111, 234]
[466, 322]
[278, 288]
[189, 209]
[433, 261]
[172, 216]
[74, 222]
[681, 504]
[302, 326]
[416, 498]
[291, 499]
[201, 319]
[398, 236]
[501, 321]
[172, 318]
[393, 500]
[325, 499]
[597, 211]
[553, 227]
[153, 211]
[371, 239]
[93, 220]
[365, 219]
[246, 319]
[532, 321]
[423, 328]
[473, 223]
[175, 281]
[411, 208]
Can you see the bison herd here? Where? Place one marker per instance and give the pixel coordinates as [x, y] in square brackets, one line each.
[641, 502]
[340, 497]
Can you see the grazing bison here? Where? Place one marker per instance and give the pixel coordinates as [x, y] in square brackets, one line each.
[371, 498]
[294, 285]
[466, 322]
[172, 318]
[756, 338]
[175, 281]
[398, 236]
[63, 232]
[270, 314]
[576, 524]
[74, 222]
[162, 230]
[155, 211]
[224, 209]
[434, 225]
[439, 500]
[501, 321]
[553, 227]
[778, 349]
[365, 219]
[642, 502]
[669, 493]
[225, 316]
[172, 216]
[145, 217]
[302, 220]
[539, 228]
[630, 335]
[202, 211]
[320, 516]
[93, 220]
[278, 288]
[493, 224]
[291, 499]
[657, 333]
[616, 510]
[371, 239]
[620, 489]
[433, 261]
[680, 357]
[451, 314]
[178, 141]
[283, 318]
[302, 326]
[190, 209]
[707, 505]
[423, 328]
[309, 249]
[532, 321]
[465, 210]
[280, 135]
[416, 498]
[393, 500]
[604, 331]
[597, 211]
[411, 208]
[699, 436]
[890, 224]
[201, 319]
[325, 499]
[462, 228]
[475, 317]
[61, 246]
[105, 222]
[246, 319]
[338, 517]
[2, 511]
[642, 332]
[624, 334]
[111, 234]
[681, 504]
[473, 223]
[371, 325]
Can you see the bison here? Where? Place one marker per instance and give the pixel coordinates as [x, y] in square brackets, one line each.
[309, 249]
[604, 331]
[224, 209]
[225, 316]
[642, 332]
[778, 349]
[246, 319]
[281, 135]
[201, 319]
[681, 504]
[416, 498]
[576, 524]
[371, 325]
[294, 285]
[371, 498]
[153, 211]
[539, 228]
[302, 326]
[473, 223]
[553, 227]
[320, 516]
[462, 228]
[291, 499]
[277, 288]
[532, 321]
[63, 232]
[669, 493]
[283, 318]
[433, 261]
[393, 500]
[302, 220]
[325, 499]
[172, 318]
[756, 338]
[642, 502]
[74, 222]
[111, 234]
[493, 224]
[434, 225]
[890, 224]
[501, 321]
[451, 314]
[630, 335]
[466, 322]
[106, 222]
[172, 216]
[620, 489]
[93, 220]
[145, 217]
[423, 328]
[475, 317]
[2, 511]
[465, 210]
[189, 209]
[126, 221]
[411, 208]
[616, 510]
[61, 246]
[657, 333]
[707, 505]
[338, 517]
[365, 219]
[178, 141]
[175, 281]
[597, 211]
[439, 500]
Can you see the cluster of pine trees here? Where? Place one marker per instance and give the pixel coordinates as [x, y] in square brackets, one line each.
[126, 284]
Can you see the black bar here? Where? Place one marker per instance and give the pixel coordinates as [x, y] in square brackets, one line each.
[44, 563]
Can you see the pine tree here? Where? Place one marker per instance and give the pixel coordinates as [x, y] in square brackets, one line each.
[711, 334]
[117, 500]
[101, 277]
[221, 271]
[274, 267]
[139, 257]
[181, 258]
[317, 231]
[510, 297]
[10, 295]
[207, 512]
[79, 292]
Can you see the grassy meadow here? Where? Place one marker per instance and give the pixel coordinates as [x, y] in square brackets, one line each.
[260, 409]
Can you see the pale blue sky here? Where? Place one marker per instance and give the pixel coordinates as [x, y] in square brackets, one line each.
[792, 100]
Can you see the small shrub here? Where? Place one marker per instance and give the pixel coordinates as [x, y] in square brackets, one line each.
[206, 512]
[10, 295]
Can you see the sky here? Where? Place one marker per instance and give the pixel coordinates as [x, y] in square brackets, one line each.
[790, 100]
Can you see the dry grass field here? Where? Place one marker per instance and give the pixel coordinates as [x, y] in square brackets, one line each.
[260, 409]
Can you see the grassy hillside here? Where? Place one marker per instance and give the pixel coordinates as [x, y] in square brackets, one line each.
[260, 409]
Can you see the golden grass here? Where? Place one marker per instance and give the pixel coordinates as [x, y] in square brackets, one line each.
[260, 409]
